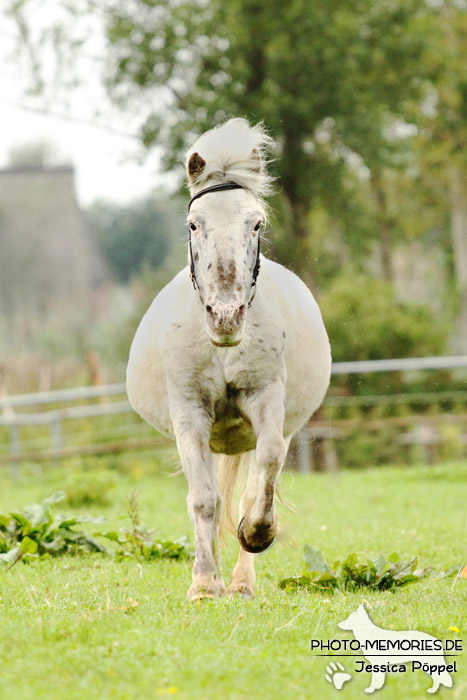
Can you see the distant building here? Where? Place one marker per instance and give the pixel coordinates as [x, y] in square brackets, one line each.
[48, 262]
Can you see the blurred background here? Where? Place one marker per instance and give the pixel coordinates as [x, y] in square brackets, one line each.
[367, 103]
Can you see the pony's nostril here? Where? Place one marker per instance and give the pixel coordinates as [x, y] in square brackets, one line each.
[208, 308]
[241, 312]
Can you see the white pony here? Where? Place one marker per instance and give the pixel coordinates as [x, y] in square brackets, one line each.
[223, 370]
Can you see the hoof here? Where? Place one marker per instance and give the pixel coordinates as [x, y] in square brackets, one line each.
[194, 596]
[258, 539]
[199, 591]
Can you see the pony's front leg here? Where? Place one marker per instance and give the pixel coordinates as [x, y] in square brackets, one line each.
[192, 428]
[265, 409]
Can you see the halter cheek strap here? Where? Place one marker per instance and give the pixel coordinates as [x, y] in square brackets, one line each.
[256, 269]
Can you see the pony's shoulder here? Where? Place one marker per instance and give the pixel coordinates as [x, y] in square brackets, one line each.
[282, 275]
[172, 299]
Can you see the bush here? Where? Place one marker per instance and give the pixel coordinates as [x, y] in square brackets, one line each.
[133, 234]
[86, 489]
[365, 321]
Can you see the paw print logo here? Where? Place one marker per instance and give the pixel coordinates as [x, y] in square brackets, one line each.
[337, 675]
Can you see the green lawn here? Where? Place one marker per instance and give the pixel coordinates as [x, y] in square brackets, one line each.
[69, 629]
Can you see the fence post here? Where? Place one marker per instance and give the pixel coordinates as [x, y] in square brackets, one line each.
[56, 436]
[304, 458]
[330, 455]
[14, 450]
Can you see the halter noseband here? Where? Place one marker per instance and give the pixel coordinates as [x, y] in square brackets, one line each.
[218, 188]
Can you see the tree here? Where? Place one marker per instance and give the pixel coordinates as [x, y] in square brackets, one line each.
[442, 140]
[366, 322]
[132, 236]
[330, 79]
[324, 76]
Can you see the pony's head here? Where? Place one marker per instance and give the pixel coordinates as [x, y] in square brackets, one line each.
[225, 223]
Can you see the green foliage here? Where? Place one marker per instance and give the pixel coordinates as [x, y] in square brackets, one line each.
[303, 69]
[132, 235]
[89, 488]
[365, 321]
[36, 532]
[327, 77]
[367, 106]
[378, 574]
[140, 542]
[360, 448]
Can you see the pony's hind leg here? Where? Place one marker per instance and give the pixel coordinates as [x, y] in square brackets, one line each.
[258, 523]
[243, 575]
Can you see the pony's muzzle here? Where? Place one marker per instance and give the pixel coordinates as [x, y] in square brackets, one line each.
[225, 323]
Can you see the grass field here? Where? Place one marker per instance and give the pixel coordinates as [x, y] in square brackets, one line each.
[70, 630]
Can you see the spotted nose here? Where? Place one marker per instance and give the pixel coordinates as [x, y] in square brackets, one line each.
[225, 318]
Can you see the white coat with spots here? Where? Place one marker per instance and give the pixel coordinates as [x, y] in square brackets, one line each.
[230, 382]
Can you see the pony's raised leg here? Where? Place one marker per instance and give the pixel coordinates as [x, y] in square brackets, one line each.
[192, 428]
[265, 409]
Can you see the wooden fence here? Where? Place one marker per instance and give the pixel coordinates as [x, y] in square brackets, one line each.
[53, 409]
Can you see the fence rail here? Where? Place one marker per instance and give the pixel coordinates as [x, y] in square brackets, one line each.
[13, 419]
[62, 395]
[360, 367]
[400, 365]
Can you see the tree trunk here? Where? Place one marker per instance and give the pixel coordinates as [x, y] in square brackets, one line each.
[458, 198]
[300, 220]
[384, 225]
[295, 175]
[300, 233]
[255, 55]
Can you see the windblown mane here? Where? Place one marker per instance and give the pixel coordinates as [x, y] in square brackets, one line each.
[233, 152]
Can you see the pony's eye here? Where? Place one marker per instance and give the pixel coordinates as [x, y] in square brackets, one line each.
[257, 227]
[192, 227]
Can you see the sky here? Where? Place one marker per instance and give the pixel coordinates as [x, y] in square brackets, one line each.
[108, 165]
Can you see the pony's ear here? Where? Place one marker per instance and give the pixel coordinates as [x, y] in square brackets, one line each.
[195, 166]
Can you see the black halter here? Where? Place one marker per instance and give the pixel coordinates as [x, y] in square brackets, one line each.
[218, 188]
